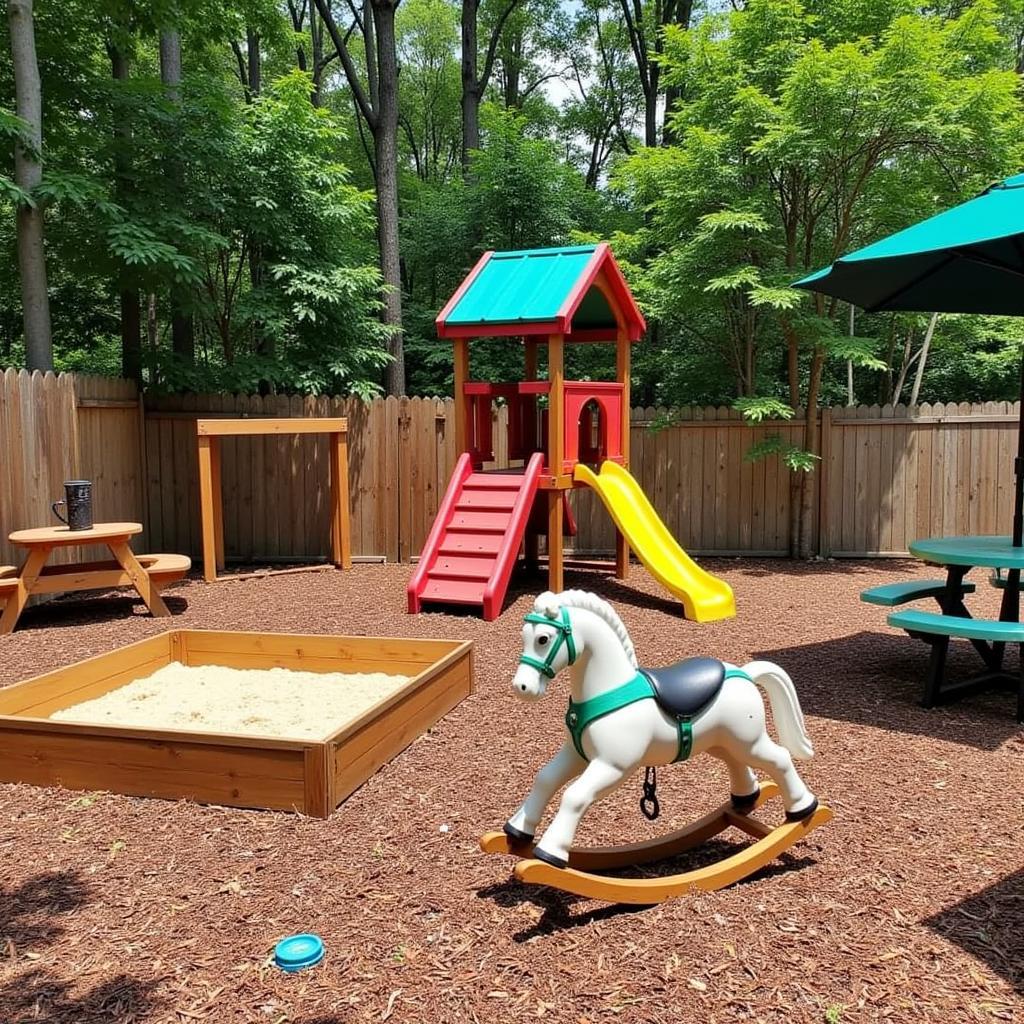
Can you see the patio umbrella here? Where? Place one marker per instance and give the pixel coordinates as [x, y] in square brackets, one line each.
[969, 259]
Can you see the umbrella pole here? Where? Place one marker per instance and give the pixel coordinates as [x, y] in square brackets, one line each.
[1018, 471]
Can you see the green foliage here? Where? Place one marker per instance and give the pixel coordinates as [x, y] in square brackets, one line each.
[792, 456]
[805, 130]
[800, 129]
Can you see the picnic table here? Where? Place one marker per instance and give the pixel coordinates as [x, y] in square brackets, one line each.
[148, 574]
[959, 555]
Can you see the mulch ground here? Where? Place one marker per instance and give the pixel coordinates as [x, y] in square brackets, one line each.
[909, 906]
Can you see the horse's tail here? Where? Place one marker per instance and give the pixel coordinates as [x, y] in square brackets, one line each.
[789, 718]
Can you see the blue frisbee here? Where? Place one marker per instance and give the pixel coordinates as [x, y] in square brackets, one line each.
[298, 952]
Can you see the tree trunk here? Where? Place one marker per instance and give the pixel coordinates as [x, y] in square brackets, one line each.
[811, 444]
[470, 84]
[252, 42]
[923, 358]
[28, 172]
[131, 317]
[385, 146]
[651, 114]
[316, 36]
[183, 340]
[683, 14]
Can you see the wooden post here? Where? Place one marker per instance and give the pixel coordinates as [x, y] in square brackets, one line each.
[461, 354]
[531, 435]
[622, 371]
[556, 447]
[341, 543]
[206, 503]
[823, 482]
[218, 501]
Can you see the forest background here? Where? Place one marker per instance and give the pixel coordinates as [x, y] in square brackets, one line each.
[257, 195]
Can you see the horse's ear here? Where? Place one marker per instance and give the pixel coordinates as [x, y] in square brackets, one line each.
[547, 604]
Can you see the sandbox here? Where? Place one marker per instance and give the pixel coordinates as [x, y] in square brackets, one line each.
[273, 771]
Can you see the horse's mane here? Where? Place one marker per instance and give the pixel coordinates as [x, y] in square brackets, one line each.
[548, 604]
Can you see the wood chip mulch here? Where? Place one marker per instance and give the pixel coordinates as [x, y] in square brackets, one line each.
[909, 906]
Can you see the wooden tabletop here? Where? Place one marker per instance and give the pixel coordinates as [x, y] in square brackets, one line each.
[992, 552]
[62, 535]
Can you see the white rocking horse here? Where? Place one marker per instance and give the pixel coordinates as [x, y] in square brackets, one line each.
[622, 717]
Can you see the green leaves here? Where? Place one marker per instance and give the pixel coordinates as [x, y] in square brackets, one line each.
[764, 408]
[792, 456]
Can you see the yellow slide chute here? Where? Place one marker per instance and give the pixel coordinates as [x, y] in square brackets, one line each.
[705, 597]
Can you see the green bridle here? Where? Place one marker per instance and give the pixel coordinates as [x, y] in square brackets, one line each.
[564, 628]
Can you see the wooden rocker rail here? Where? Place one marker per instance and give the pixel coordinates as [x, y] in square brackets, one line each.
[578, 879]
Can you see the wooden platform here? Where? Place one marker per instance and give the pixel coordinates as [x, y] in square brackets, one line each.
[277, 773]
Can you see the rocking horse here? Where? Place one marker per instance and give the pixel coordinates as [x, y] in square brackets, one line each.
[622, 717]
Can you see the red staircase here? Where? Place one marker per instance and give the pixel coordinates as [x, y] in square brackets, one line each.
[474, 542]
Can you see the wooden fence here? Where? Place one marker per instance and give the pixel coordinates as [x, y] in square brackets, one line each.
[54, 429]
[886, 475]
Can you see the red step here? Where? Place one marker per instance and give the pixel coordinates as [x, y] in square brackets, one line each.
[454, 591]
[493, 482]
[470, 544]
[481, 500]
[482, 522]
[462, 568]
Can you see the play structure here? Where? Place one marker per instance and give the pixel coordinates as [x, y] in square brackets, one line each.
[565, 433]
[622, 717]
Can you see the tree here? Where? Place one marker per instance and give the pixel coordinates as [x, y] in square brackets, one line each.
[800, 137]
[377, 104]
[131, 310]
[646, 22]
[28, 174]
[474, 80]
[182, 335]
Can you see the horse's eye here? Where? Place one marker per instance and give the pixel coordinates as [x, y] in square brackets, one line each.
[542, 640]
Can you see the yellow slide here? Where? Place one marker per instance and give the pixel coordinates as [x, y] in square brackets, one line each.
[705, 597]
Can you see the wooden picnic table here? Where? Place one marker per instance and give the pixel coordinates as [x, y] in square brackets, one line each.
[146, 573]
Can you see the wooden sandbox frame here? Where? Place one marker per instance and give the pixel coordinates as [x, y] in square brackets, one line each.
[310, 776]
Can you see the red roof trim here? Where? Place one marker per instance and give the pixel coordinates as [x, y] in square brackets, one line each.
[604, 260]
[439, 320]
[583, 283]
[496, 330]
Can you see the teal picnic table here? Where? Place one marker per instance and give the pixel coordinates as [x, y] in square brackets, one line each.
[958, 556]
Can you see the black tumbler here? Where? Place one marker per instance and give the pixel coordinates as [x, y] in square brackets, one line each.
[78, 499]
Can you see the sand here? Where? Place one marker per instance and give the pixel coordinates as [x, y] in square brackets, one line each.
[252, 702]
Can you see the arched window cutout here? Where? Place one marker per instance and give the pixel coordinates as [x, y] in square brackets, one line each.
[593, 433]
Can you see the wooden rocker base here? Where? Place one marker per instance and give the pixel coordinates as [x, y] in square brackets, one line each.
[579, 878]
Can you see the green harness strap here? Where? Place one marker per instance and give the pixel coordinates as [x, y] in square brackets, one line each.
[586, 712]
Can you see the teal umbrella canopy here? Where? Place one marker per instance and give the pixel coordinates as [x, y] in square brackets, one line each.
[969, 259]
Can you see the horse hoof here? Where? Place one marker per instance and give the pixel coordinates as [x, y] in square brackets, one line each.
[745, 804]
[804, 812]
[517, 836]
[550, 858]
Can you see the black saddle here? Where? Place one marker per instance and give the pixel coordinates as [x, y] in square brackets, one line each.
[685, 688]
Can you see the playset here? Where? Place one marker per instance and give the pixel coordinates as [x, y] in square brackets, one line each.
[551, 297]
[622, 717]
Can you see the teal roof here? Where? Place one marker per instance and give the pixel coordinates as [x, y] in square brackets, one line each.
[526, 285]
[548, 288]
[969, 259]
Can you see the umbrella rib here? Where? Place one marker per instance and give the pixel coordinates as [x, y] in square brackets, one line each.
[988, 261]
[912, 283]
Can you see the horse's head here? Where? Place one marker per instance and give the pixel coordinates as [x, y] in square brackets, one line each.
[548, 647]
